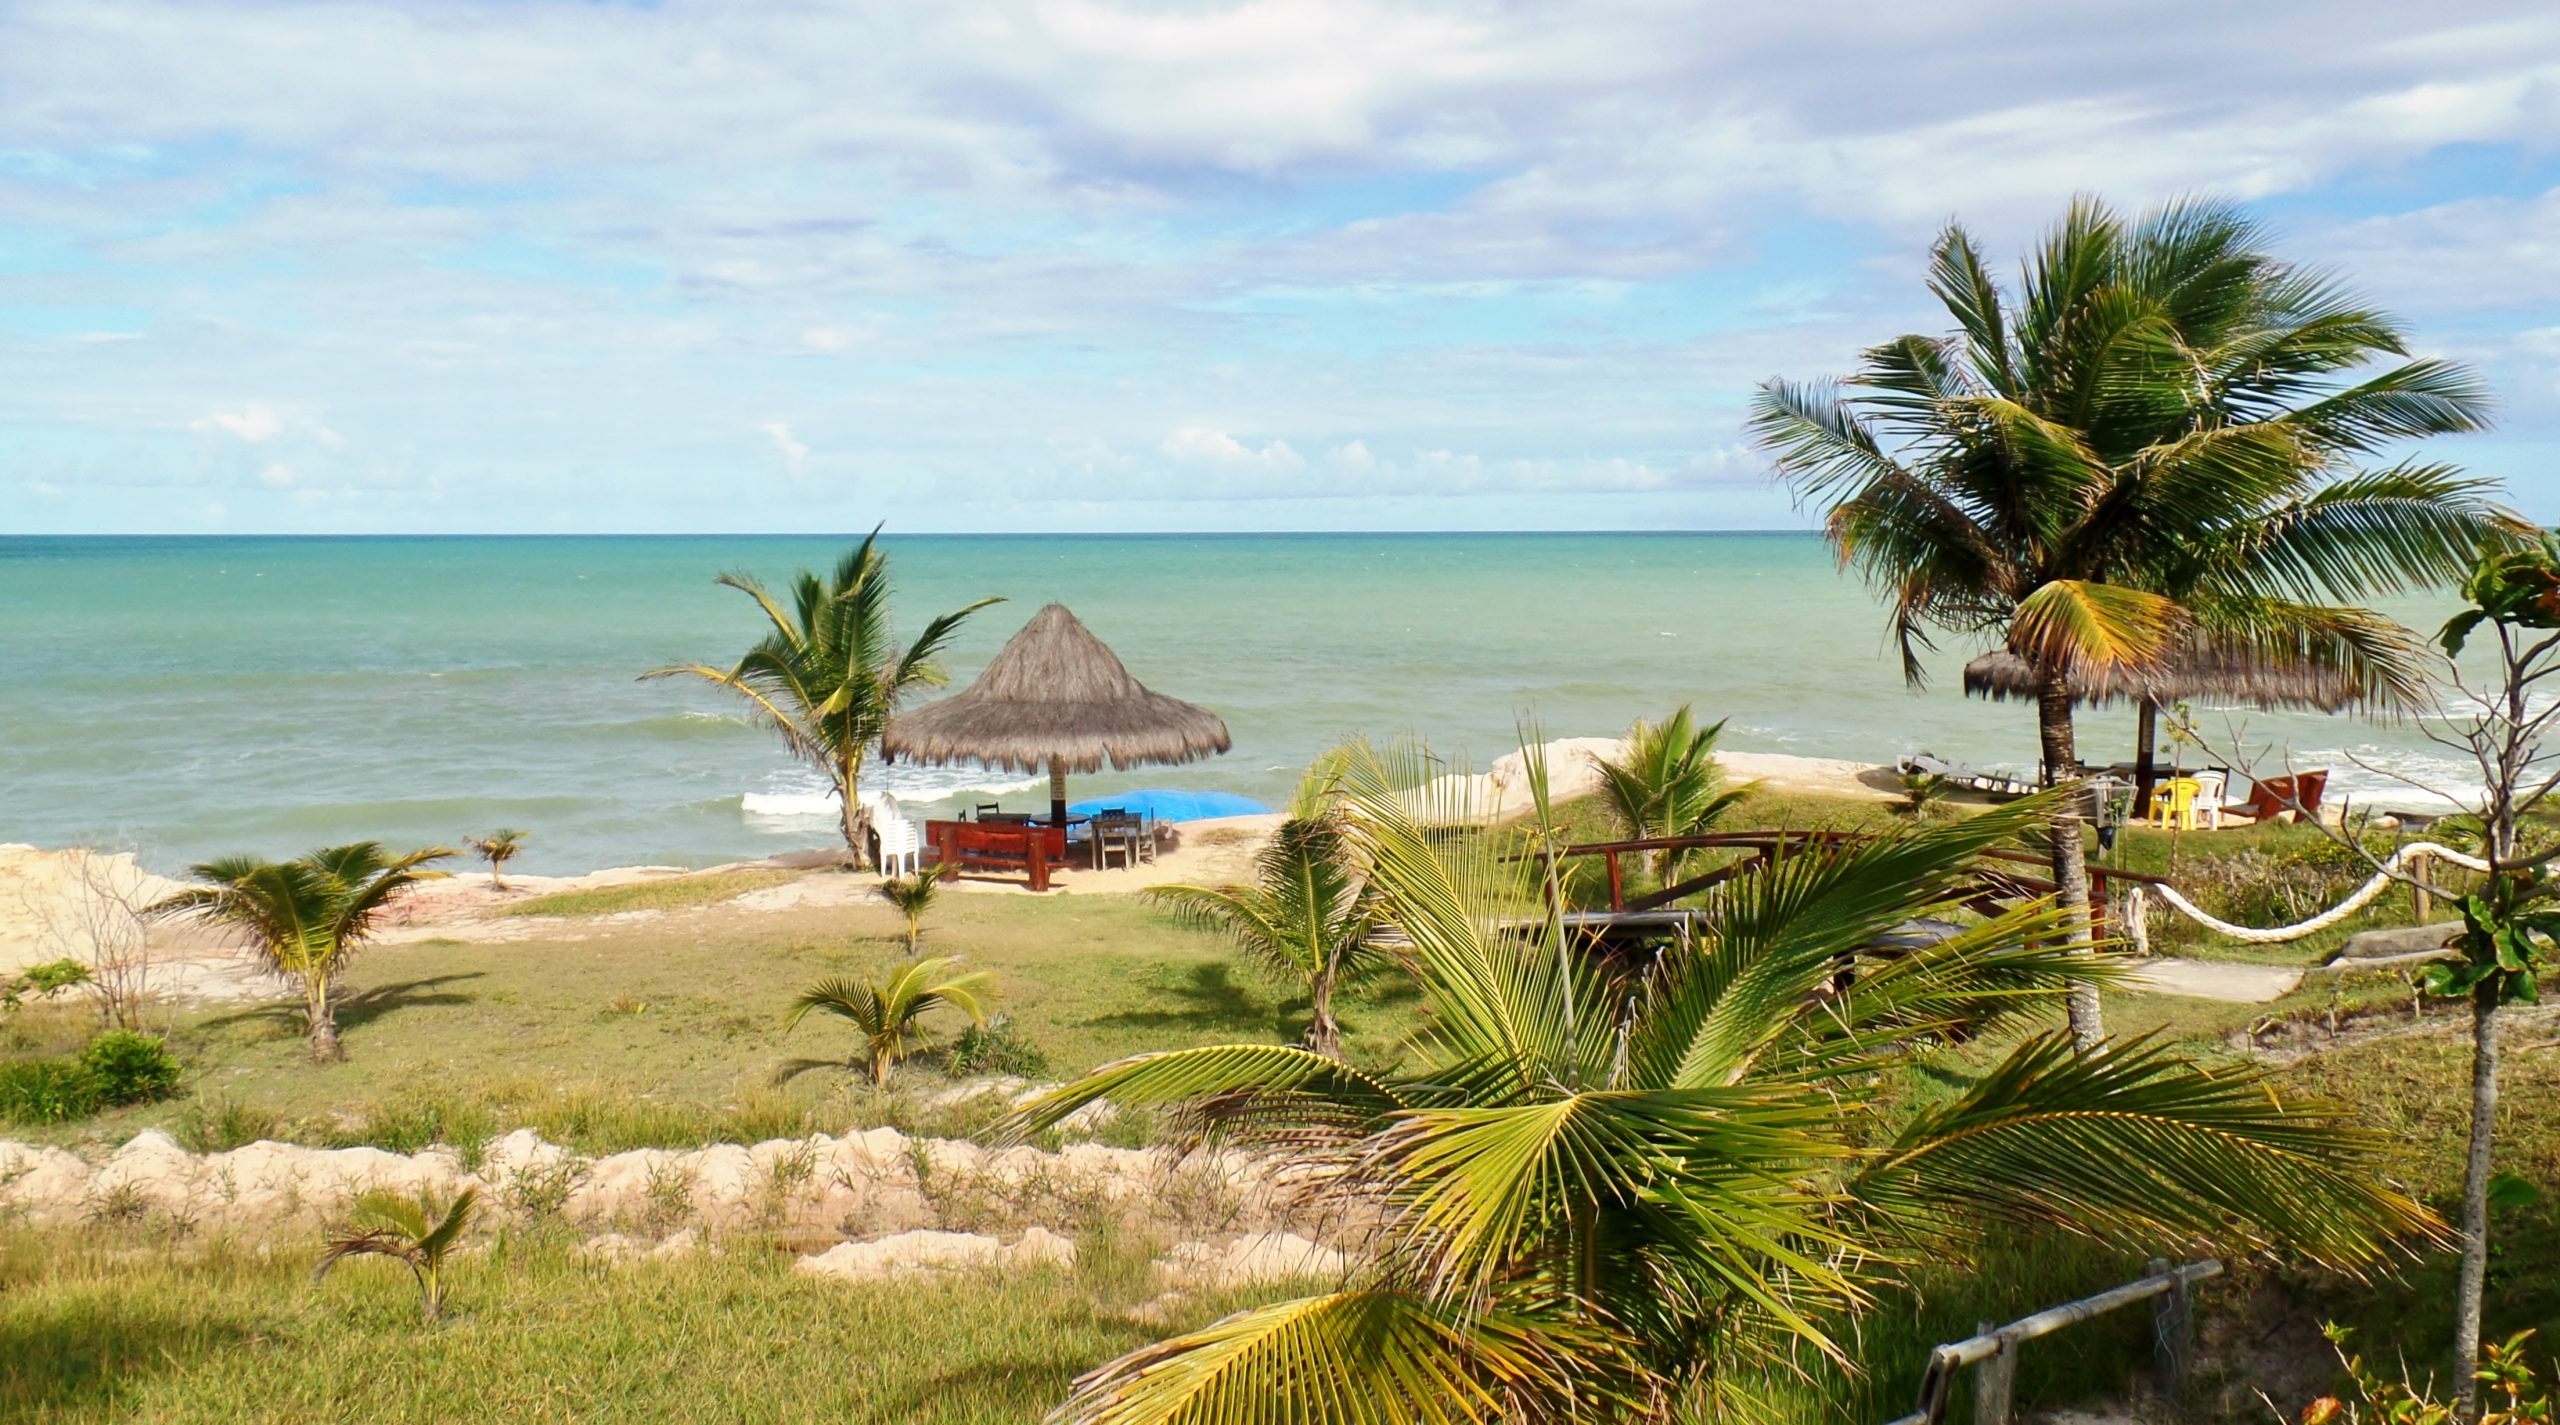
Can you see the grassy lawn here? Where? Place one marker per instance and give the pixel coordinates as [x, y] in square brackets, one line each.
[665, 1030]
[96, 1329]
[607, 1029]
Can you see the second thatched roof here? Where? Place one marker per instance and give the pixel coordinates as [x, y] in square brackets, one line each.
[2202, 672]
[1056, 697]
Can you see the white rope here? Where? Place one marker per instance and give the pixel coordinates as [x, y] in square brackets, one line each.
[2134, 908]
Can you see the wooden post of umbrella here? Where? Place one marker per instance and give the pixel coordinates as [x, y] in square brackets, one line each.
[1057, 792]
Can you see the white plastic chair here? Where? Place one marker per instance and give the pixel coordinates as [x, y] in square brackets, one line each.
[2211, 788]
[901, 842]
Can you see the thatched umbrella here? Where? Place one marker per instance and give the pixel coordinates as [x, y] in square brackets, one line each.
[2203, 671]
[1055, 698]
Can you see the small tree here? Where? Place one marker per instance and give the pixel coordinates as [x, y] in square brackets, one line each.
[305, 918]
[497, 848]
[99, 923]
[1308, 917]
[827, 676]
[912, 896]
[1668, 783]
[2509, 927]
[891, 1014]
[418, 1232]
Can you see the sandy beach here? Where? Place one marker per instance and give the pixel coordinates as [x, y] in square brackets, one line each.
[46, 895]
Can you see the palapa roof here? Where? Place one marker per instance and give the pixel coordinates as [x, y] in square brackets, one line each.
[2201, 672]
[1055, 694]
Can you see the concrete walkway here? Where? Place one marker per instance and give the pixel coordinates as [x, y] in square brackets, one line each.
[2214, 979]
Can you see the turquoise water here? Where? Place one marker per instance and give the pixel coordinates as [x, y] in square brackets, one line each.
[189, 697]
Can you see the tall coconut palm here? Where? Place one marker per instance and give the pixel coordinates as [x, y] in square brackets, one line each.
[1308, 915]
[828, 675]
[2152, 440]
[1667, 782]
[891, 1014]
[305, 918]
[1617, 1192]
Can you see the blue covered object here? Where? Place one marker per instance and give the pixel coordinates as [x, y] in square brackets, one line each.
[1166, 804]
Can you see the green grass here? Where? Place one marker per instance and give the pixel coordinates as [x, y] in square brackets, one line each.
[671, 893]
[95, 1328]
[667, 1031]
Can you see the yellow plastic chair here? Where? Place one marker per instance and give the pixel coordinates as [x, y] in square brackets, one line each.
[2173, 803]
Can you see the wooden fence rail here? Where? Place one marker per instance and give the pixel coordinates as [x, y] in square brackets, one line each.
[1994, 1351]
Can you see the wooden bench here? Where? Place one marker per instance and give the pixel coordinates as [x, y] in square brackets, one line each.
[995, 846]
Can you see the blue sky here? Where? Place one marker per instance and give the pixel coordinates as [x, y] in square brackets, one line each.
[279, 265]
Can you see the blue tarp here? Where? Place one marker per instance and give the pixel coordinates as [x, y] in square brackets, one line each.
[1166, 804]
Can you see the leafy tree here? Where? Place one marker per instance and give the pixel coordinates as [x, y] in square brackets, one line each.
[418, 1232]
[2511, 927]
[913, 895]
[497, 848]
[828, 675]
[305, 918]
[2150, 445]
[1308, 917]
[1620, 1191]
[1925, 794]
[1667, 783]
[891, 1014]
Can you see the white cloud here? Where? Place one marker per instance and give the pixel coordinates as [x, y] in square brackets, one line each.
[276, 477]
[1198, 445]
[250, 423]
[795, 454]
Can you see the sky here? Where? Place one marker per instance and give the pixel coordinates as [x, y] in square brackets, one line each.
[298, 266]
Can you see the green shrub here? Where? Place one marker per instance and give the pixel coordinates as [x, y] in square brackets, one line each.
[224, 1124]
[47, 1091]
[996, 1047]
[54, 976]
[131, 1067]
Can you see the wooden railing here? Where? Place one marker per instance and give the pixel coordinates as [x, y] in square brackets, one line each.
[1994, 1351]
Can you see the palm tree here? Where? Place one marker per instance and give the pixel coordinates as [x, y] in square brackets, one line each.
[305, 918]
[828, 675]
[913, 895]
[497, 848]
[2151, 442]
[418, 1232]
[1307, 917]
[1614, 1191]
[1667, 783]
[891, 1013]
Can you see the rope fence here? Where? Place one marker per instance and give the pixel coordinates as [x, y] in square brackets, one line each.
[2136, 902]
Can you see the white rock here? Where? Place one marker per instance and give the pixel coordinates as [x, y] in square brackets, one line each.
[927, 1251]
[1255, 1259]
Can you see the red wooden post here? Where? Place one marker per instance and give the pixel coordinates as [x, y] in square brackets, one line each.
[1617, 885]
[1035, 855]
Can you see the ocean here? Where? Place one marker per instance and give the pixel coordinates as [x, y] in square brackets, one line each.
[188, 697]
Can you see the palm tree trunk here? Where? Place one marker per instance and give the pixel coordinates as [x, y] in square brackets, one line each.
[325, 1048]
[1324, 1033]
[2146, 742]
[857, 817]
[2070, 855]
[2471, 1284]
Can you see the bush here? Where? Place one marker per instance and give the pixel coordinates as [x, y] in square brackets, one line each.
[131, 1067]
[47, 1091]
[996, 1047]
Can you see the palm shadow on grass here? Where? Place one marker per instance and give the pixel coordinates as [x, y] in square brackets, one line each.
[990, 1389]
[1213, 999]
[361, 1007]
[91, 1362]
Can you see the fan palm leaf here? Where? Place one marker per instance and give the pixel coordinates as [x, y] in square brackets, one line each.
[1603, 1186]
